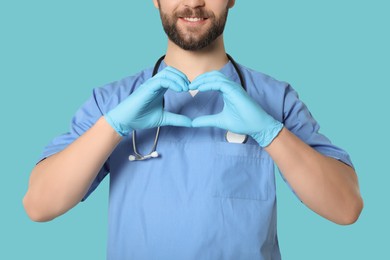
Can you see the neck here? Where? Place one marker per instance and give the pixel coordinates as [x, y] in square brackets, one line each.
[195, 63]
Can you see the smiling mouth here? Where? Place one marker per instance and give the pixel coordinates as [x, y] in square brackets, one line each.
[193, 19]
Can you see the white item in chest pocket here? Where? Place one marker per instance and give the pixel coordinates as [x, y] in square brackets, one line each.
[154, 154]
[235, 138]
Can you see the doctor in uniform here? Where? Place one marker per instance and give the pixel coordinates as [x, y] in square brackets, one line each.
[201, 186]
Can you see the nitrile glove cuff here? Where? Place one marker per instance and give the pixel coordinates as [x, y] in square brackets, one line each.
[265, 137]
[117, 127]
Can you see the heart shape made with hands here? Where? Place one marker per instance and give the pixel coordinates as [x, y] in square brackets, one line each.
[240, 114]
[238, 106]
[236, 115]
[143, 108]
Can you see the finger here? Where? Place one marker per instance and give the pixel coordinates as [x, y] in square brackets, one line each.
[176, 71]
[157, 84]
[207, 121]
[173, 74]
[223, 85]
[211, 76]
[175, 120]
[216, 81]
[181, 75]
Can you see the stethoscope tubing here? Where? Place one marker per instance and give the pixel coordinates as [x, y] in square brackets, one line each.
[153, 154]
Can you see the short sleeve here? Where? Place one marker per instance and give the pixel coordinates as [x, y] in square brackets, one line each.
[298, 119]
[84, 118]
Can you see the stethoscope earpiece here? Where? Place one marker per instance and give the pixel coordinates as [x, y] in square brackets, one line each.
[153, 154]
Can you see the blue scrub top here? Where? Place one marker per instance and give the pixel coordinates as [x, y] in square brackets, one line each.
[203, 198]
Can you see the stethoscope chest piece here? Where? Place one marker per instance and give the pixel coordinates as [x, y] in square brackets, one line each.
[235, 138]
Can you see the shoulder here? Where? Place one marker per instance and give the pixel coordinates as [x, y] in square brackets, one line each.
[269, 92]
[260, 81]
[111, 94]
[124, 86]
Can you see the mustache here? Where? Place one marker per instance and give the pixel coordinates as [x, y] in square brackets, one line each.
[188, 12]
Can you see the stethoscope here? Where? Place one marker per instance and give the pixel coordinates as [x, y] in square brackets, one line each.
[230, 137]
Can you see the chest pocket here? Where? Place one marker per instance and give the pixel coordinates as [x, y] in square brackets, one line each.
[243, 171]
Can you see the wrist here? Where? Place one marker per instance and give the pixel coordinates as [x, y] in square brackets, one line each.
[122, 131]
[267, 135]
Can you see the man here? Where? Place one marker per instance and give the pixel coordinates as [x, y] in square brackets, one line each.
[205, 196]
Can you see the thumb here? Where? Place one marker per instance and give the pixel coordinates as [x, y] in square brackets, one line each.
[207, 121]
[175, 120]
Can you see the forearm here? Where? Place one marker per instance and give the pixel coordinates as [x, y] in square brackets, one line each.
[324, 184]
[60, 181]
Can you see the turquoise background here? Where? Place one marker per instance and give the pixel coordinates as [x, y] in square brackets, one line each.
[334, 53]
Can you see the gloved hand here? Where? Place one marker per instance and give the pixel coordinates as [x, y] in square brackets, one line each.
[144, 107]
[240, 114]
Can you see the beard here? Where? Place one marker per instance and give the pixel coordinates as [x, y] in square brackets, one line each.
[195, 38]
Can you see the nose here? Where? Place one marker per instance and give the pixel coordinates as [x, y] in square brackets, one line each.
[194, 3]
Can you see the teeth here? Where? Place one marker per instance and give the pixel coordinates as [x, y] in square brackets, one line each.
[193, 19]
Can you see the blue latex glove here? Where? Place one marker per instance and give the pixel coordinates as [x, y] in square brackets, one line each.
[240, 114]
[144, 107]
